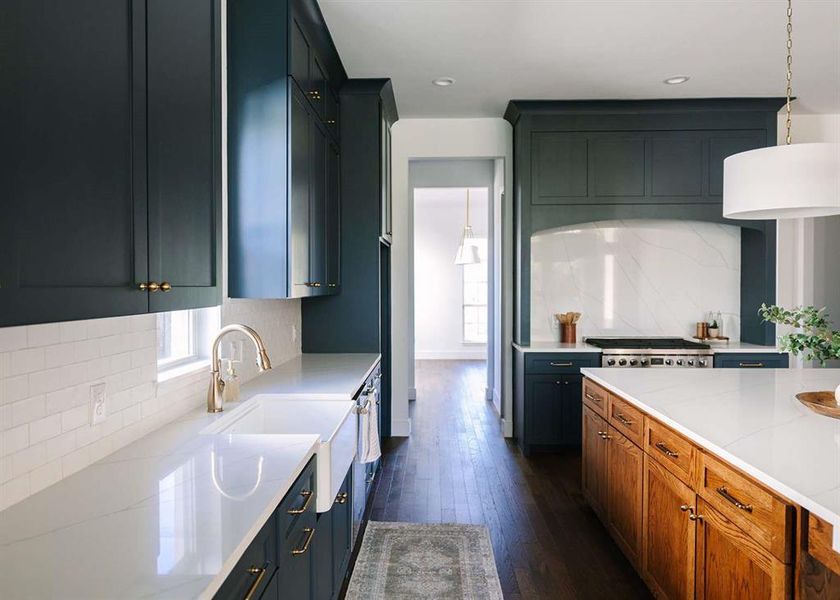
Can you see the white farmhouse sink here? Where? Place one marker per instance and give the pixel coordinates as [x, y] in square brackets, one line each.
[333, 420]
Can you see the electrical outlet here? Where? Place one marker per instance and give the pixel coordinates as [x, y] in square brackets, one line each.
[98, 403]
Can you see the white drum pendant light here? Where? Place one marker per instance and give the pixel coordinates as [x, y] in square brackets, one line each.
[467, 252]
[783, 182]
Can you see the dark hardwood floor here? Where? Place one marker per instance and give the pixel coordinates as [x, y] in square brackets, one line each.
[457, 467]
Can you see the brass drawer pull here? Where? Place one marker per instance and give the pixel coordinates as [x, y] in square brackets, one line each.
[341, 498]
[309, 531]
[751, 365]
[260, 573]
[152, 286]
[564, 364]
[591, 397]
[666, 450]
[604, 435]
[165, 286]
[730, 498]
[624, 420]
[299, 511]
[692, 516]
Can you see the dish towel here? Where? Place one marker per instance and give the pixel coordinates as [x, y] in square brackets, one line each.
[370, 430]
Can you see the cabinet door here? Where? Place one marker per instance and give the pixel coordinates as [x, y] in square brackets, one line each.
[572, 390]
[625, 468]
[184, 143]
[751, 361]
[322, 558]
[594, 461]
[300, 142]
[385, 171]
[331, 111]
[296, 562]
[332, 234]
[73, 230]
[668, 533]
[255, 569]
[317, 84]
[317, 208]
[733, 566]
[299, 56]
[342, 533]
[544, 409]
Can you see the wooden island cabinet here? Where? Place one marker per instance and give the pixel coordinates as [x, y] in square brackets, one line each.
[694, 526]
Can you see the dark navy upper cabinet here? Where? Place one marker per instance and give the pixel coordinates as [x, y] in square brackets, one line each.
[110, 139]
[760, 360]
[283, 149]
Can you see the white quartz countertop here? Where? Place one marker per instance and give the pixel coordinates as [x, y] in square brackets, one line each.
[323, 376]
[730, 347]
[556, 347]
[751, 419]
[169, 515]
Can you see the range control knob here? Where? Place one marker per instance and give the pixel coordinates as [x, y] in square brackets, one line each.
[643, 362]
[669, 362]
[679, 362]
[622, 362]
[611, 362]
[701, 363]
[691, 363]
[633, 362]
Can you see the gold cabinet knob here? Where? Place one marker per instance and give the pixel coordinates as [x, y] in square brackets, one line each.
[152, 286]
[332, 285]
[165, 286]
[341, 498]
[316, 284]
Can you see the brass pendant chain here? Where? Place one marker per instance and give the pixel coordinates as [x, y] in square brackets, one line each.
[789, 91]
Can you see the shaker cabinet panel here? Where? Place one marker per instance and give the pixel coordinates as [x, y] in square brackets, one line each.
[676, 165]
[184, 167]
[300, 153]
[625, 474]
[299, 56]
[594, 461]
[723, 144]
[317, 208]
[560, 166]
[617, 166]
[333, 219]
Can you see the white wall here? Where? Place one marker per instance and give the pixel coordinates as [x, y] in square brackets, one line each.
[806, 264]
[438, 138]
[439, 215]
[46, 372]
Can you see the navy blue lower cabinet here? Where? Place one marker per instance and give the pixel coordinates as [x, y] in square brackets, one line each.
[254, 572]
[763, 360]
[547, 399]
[332, 545]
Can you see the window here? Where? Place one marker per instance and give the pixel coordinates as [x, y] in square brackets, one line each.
[475, 297]
[183, 339]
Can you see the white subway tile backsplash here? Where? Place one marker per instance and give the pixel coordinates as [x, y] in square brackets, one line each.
[28, 410]
[44, 429]
[43, 335]
[46, 372]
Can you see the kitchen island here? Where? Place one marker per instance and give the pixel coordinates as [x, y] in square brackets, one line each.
[713, 481]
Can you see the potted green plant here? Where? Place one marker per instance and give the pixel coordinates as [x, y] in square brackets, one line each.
[816, 339]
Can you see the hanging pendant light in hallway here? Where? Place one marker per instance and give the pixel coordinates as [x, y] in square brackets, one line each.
[783, 182]
[467, 252]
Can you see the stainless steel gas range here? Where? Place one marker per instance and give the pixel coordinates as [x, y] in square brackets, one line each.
[664, 352]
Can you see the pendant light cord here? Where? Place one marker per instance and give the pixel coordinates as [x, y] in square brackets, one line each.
[789, 90]
[468, 207]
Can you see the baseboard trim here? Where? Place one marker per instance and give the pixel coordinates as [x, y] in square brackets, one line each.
[400, 427]
[488, 393]
[451, 355]
[507, 428]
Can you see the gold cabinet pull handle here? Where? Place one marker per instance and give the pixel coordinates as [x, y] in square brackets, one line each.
[260, 573]
[309, 531]
[592, 397]
[563, 364]
[299, 511]
[152, 286]
[666, 450]
[751, 365]
[732, 499]
[624, 420]
[341, 498]
[165, 286]
[685, 507]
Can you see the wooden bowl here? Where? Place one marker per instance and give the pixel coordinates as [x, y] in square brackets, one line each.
[823, 403]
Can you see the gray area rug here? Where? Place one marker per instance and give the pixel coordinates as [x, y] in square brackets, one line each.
[414, 560]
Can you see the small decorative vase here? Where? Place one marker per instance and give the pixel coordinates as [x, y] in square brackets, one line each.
[713, 332]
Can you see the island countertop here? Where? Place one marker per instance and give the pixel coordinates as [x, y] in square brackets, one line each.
[751, 419]
[169, 515]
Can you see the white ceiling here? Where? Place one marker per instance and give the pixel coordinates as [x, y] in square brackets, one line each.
[498, 50]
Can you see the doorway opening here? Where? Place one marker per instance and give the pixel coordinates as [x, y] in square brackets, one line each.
[453, 269]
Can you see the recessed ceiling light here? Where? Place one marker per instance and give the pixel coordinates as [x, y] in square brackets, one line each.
[443, 81]
[678, 79]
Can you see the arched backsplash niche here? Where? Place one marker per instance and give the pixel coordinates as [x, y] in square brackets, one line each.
[636, 277]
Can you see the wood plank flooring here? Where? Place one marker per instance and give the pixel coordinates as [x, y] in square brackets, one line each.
[457, 467]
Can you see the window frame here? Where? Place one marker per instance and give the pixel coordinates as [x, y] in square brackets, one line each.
[482, 249]
[202, 325]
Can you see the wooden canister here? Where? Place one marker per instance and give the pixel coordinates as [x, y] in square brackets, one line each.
[568, 333]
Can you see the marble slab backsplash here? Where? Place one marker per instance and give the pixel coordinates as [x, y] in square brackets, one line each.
[636, 277]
